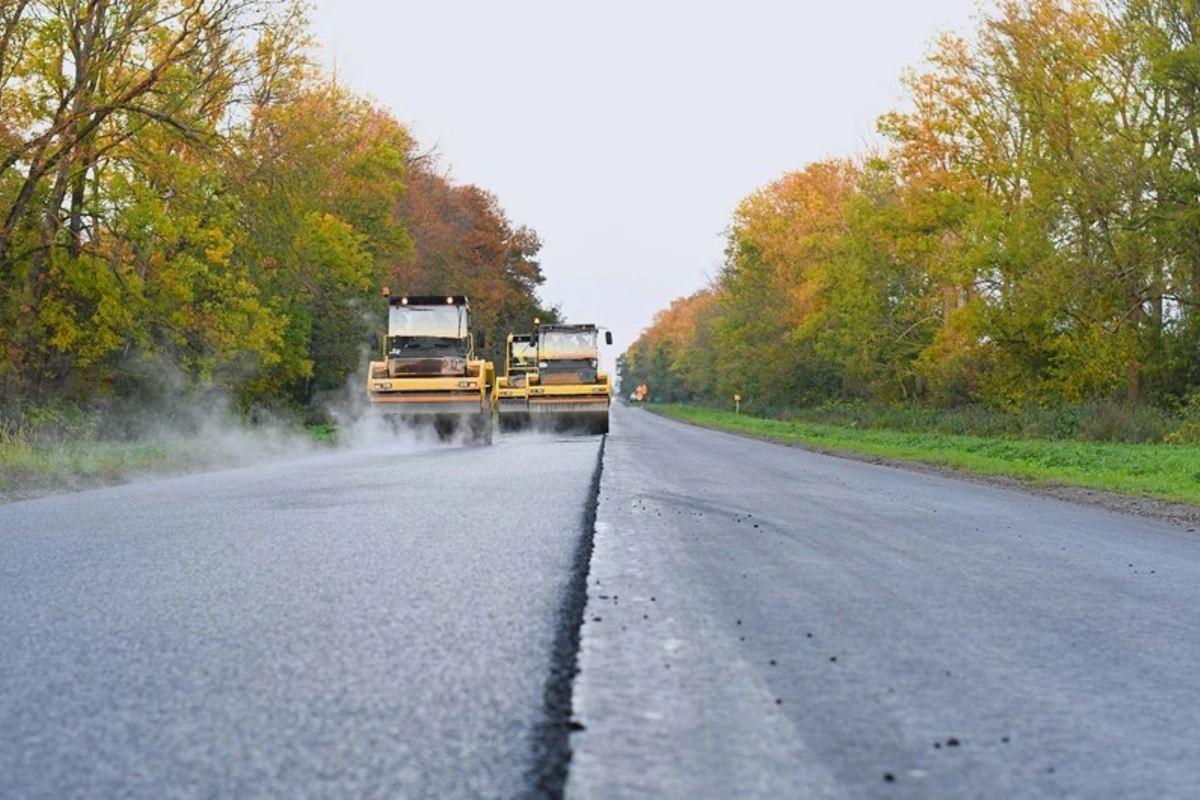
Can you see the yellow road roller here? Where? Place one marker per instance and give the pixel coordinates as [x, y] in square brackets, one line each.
[568, 392]
[511, 398]
[428, 375]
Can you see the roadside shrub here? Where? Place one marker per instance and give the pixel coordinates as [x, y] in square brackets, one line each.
[1124, 422]
[50, 423]
[1187, 433]
[1096, 421]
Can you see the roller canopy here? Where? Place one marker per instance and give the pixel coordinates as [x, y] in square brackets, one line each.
[428, 300]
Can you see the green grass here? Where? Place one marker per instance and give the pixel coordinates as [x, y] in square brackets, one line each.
[1162, 471]
[32, 463]
[36, 468]
[322, 434]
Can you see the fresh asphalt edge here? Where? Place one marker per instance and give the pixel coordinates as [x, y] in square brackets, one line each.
[547, 778]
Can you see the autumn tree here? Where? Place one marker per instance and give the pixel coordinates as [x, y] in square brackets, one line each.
[111, 114]
[464, 243]
[781, 257]
[184, 191]
[1029, 235]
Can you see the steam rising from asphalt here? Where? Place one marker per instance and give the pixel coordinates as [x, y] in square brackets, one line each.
[204, 429]
[172, 427]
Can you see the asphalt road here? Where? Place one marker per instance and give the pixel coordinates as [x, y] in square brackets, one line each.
[767, 622]
[760, 622]
[368, 624]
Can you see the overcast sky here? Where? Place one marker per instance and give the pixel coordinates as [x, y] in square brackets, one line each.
[624, 132]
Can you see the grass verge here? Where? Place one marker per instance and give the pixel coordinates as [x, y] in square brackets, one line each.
[31, 467]
[1161, 471]
[28, 470]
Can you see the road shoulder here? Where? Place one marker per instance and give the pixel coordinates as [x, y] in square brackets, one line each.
[1184, 516]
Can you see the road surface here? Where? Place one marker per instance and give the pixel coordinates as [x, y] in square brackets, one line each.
[763, 621]
[760, 622]
[376, 624]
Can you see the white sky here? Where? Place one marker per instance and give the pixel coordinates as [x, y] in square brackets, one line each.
[626, 132]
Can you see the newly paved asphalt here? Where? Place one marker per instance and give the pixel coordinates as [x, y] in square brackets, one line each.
[766, 622]
[760, 622]
[376, 624]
